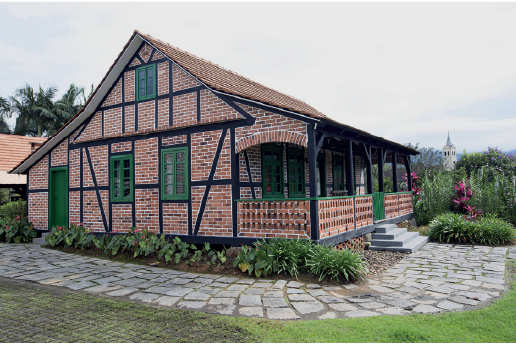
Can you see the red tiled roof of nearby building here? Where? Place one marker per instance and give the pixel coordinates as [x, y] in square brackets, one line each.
[14, 149]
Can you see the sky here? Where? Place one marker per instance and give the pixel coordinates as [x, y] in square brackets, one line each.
[408, 72]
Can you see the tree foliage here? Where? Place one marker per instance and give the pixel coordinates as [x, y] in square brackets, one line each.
[36, 111]
[429, 159]
[492, 157]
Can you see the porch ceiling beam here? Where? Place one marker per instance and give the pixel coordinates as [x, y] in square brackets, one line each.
[360, 138]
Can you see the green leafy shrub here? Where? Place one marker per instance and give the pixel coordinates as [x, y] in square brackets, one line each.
[17, 230]
[324, 261]
[292, 256]
[136, 242]
[485, 231]
[14, 209]
[434, 198]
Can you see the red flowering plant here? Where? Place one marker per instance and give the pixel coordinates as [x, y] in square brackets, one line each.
[463, 194]
[415, 189]
[17, 230]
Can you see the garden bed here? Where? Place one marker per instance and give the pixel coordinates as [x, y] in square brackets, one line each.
[377, 261]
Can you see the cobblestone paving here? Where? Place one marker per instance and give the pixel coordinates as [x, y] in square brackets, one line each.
[437, 278]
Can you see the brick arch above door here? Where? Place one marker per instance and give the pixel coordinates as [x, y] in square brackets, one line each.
[271, 136]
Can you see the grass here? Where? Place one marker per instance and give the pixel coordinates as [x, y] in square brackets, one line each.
[32, 312]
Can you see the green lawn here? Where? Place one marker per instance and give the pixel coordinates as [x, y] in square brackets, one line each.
[31, 312]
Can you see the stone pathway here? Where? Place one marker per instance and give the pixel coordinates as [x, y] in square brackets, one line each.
[437, 278]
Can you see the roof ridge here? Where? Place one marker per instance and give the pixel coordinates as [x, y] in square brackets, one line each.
[223, 68]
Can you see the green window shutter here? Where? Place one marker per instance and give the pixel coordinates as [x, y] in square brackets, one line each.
[296, 173]
[174, 173]
[146, 82]
[121, 178]
[272, 171]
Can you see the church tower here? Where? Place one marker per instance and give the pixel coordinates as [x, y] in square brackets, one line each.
[449, 155]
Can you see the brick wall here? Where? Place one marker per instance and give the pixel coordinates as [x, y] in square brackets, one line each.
[364, 211]
[112, 122]
[93, 129]
[115, 97]
[391, 206]
[182, 80]
[145, 52]
[175, 218]
[163, 112]
[38, 175]
[146, 161]
[129, 85]
[185, 110]
[74, 169]
[283, 219]
[99, 160]
[38, 209]
[223, 170]
[60, 154]
[122, 217]
[213, 109]
[355, 244]
[204, 146]
[147, 209]
[74, 210]
[335, 216]
[216, 219]
[173, 140]
[129, 119]
[92, 217]
[270, 127]
[121, 147]
[86, 173]
[146, 116]
[163, 81]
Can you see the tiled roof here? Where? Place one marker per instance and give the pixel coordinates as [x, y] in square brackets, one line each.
[14, 149]
[224, 80]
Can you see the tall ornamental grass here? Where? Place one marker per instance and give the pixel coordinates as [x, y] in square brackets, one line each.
[434, 198]
[494, 193]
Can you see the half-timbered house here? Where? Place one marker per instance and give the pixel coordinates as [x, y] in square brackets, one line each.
[176, 144]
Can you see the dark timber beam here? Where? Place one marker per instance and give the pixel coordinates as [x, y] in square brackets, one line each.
[366, 150]
[312, 171]
[348, 147]
[406, 159]
[394, 161]
[381, 161]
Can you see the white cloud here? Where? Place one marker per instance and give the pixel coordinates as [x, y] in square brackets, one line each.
[407, 71]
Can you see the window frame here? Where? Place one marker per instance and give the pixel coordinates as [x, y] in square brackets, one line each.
[147, 96]
[274, 148]
[175, 196]
[301, 153]
[121, 158]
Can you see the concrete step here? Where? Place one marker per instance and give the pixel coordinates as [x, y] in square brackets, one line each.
[411, 247]
[40, 241]
[385, 228]
[398, 242]
[391, 235]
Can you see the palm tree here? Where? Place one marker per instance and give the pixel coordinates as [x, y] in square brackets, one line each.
[36, 111]
[4, 111]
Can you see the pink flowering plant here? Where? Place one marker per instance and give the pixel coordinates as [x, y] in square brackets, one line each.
[17, 230]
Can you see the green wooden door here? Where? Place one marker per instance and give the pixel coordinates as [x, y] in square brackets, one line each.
[58, 198]
[378, 206]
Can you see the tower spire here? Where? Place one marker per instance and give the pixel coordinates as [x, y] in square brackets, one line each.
[448, 142]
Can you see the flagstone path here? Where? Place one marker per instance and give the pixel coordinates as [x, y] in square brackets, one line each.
[437, 278]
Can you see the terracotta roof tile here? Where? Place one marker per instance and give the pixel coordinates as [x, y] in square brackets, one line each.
[227, 81]
[14, 149]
